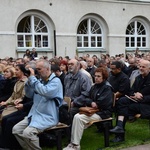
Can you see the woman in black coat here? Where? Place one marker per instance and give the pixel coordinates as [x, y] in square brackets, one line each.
[101, 97]
[7, 85]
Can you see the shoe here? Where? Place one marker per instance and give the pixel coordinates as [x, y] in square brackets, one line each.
[131, 119]
[117, 129]
[118, 139]
[72, 147]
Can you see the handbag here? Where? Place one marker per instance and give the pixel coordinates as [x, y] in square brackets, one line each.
[89, 111]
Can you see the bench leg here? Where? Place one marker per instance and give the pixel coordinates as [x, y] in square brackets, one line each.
[58, 134]
[106, 133]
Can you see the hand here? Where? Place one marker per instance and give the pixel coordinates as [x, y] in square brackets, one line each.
[94, 105]
[19, 106]
[31, 72]
[72, 104]
[17, 101]
[137, 96]
[3, 103]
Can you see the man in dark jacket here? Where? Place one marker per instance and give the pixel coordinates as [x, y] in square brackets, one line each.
[138, 101]
[121, 85]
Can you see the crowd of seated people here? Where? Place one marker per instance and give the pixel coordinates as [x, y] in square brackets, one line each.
[75, 78]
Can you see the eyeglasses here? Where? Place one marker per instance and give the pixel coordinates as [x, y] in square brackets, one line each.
[70, 64]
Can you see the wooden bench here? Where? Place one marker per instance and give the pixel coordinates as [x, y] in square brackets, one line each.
[106, 123]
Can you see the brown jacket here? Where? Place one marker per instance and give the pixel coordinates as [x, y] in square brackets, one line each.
[18, 92]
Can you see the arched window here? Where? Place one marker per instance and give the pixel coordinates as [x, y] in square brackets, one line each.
[32, 32]
[89, 34]
[136, 35]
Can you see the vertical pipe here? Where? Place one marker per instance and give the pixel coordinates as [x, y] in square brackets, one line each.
[55, 51]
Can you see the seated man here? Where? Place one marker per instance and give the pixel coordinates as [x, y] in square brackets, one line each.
[47, 94]
[77, 86]
[140, 93]
[101, 97]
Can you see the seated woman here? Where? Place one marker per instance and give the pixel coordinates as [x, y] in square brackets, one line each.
[7, 85]
[18, 90]
[7, 139]
[101, 97]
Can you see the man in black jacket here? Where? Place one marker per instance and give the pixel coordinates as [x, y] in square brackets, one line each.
[138, 101]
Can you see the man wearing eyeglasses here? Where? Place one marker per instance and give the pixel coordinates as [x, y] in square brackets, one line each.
[77, 86]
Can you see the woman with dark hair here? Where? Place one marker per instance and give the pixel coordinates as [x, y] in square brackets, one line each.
[27, 54]
[101, 97]
[18, 91]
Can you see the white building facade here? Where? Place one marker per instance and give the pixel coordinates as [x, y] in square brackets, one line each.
[70, 27]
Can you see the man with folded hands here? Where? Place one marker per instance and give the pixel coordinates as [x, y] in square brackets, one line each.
[101, 97]
[140, 93]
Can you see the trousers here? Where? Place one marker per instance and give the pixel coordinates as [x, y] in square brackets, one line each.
[79, 124]
[27, 136]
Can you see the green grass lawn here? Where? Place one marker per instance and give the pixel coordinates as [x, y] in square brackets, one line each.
[137, 133]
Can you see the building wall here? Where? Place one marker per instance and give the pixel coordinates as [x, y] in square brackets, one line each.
[65, 16]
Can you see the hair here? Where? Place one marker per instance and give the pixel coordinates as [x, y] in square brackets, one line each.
[118, 64]
[11, 69]
[32, 64]
[64, 63]
[21, 67]
[103, 71]
[55, 68]
[46, 63]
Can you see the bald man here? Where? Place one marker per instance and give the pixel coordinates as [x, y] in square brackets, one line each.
[90, 67]
[140, 93]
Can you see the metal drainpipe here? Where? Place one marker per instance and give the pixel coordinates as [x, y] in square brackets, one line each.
[55, 51]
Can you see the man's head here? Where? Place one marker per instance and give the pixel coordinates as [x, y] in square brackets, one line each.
[90, 62]
[116, 67]
[73, 66]
[44, 68]
[144, 67]
[132, 62]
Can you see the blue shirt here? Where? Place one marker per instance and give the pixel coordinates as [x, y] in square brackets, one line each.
[44, 111]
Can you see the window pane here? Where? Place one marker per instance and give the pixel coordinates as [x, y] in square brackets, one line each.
[138, 42]
[132, 42]
[25, 25]
[37, 40]
[95, 28]
[93, 42]
[39, 25]
[20, 41]
[83, 29]
[127, 41]
[45, 41]
[144, 41]
[79, 41]
[28, 40]
[86, 41]
[99, 41]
